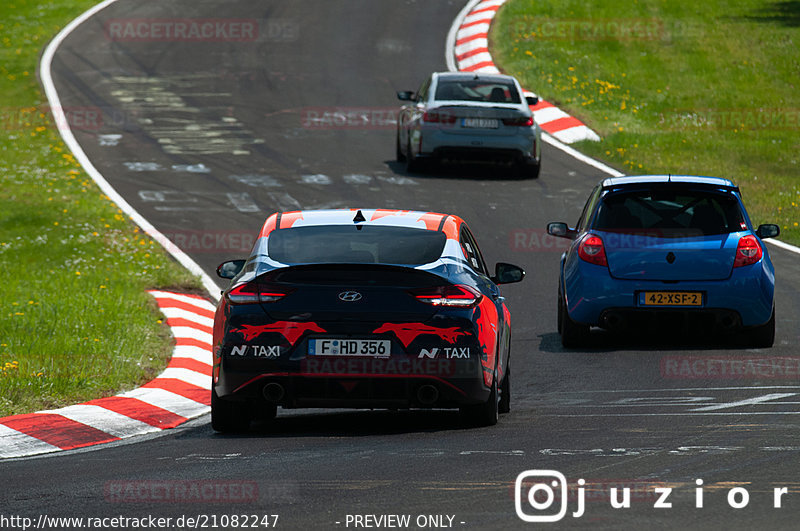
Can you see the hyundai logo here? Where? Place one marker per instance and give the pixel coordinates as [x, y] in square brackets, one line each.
[350, 296]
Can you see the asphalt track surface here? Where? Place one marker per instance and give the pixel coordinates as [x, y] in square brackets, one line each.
[216, 135]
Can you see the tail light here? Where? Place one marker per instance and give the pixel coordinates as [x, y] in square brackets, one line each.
[452, 295]
[747, 252]
[522, 122]
[591, 250]
[434, 117]
[256, 292]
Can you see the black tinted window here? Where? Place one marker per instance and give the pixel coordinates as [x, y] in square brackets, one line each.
[346, 244]
[670, 213]
[477, 90]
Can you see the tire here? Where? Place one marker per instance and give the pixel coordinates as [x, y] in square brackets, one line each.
[228, 417]
[528, 171]
[485, 414]
[413, 165]
[573, 335]
[398, 152]
[504, 405]
[762, 336]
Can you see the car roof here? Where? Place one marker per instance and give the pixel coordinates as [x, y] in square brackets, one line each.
[473, 75]
[447, 223]
[617, 182]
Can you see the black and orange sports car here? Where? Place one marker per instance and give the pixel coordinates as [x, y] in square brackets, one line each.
[361, 309]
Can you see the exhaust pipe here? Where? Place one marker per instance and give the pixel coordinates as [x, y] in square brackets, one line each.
[614, 321]
[427, 395]
[273, 392]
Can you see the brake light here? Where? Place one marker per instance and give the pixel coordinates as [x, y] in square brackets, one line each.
[450, 295]
[591, 250]
[522, 122]
[434, 117]
[747, 252]
[256, 292]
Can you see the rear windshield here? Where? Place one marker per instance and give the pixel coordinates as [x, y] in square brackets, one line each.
[347, 244]
[477, 90]
[670, 214]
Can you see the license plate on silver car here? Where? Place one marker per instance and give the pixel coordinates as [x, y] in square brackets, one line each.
[480, 123]
[378, 348]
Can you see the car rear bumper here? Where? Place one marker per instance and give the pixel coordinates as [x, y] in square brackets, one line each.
[593, 297]
[510, 148]
[359, 383]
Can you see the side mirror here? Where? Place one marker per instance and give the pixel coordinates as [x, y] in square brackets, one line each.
[230, 268]
[507, 273]
[532, 100]
[768, 230]
[405, 95]
[560, 230]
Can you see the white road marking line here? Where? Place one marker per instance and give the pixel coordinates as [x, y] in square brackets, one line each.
[163, 196]
[396, 179]
[189, 209]
[285, 202]
[109, 140]
[495, 452]
[675, 414]
[143, 166]
[784, 245]
[747, 402]
[672, 390]
[191, 168]
[357, 179]
[256, 180]
[317, 178]
[243, 202]
[74, 146]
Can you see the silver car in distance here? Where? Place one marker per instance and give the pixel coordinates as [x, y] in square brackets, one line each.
[469, 117]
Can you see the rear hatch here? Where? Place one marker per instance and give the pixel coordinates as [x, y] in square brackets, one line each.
[643, 257]
[350, 293]
[485, 119]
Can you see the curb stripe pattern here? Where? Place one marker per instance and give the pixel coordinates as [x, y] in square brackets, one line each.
[178, 394]
[471, 54]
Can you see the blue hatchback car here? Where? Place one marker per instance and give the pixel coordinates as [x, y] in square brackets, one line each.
[666, 252]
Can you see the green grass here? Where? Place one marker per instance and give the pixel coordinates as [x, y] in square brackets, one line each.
[76, 322]
[708, 88]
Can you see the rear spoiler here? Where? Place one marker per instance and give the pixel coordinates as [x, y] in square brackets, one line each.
[612, 186]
